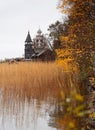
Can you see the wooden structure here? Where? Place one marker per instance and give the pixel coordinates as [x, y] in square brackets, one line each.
[39, 48]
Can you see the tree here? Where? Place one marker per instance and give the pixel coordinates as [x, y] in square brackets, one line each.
[81, 31]
[81, 43]
[57, 30]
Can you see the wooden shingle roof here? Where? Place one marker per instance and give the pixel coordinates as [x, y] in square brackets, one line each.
[28, 38]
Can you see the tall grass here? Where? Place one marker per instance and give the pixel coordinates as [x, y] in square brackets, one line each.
[42, 81]
[36, 79]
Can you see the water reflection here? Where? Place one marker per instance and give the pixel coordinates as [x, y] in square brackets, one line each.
[18, 112]
[57, 112]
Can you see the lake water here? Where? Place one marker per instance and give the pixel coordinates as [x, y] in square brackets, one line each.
[24, 113]
[20, 112]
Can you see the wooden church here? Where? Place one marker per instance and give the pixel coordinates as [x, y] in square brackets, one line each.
[39, 48]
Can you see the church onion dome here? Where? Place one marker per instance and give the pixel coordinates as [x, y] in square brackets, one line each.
[28, 38]
[39, 31]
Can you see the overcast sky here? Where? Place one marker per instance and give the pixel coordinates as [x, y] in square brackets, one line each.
[19, 16]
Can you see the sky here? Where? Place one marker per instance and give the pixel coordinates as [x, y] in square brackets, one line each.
[17, 17]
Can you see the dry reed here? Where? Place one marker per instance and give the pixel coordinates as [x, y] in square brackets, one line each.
[22, 82]
[35, 79]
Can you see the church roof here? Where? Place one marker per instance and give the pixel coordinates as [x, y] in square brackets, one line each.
[28, 38]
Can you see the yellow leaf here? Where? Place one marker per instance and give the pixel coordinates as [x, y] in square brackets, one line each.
[71, 125]
[69, 109]
[79, 97]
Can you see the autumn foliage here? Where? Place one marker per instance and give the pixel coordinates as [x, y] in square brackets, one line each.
[78, 53]
[81, 32]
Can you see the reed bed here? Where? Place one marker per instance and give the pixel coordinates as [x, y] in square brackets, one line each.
[37, 84]
[35, 79]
